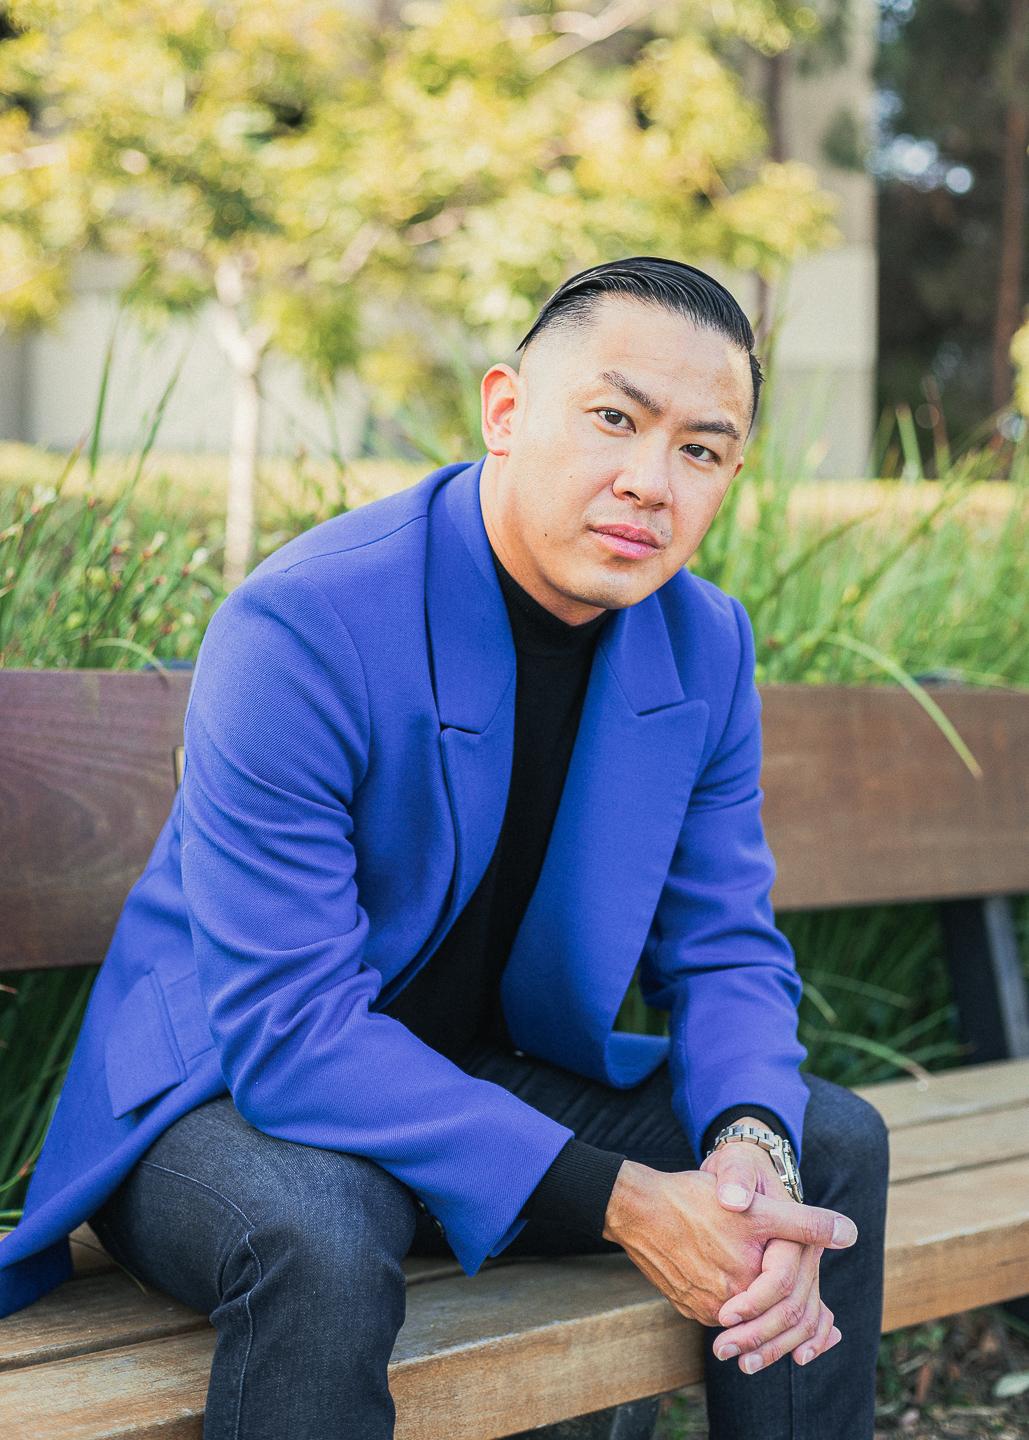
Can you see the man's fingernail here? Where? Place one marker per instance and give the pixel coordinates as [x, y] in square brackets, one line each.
[751, 1363]
[844, 1231]
[733, 1194]
[732, 1319]
[728, 1352]
[804, 1356]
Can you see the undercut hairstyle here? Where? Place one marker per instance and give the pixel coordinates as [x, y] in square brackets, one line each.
[672, 284]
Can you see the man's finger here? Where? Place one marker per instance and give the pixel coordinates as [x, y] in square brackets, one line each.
[786, 1341]
[807, 1223]
[806, 1353]
[737, 1180]
[783, 1264]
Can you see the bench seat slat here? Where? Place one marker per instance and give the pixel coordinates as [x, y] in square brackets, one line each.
[99, 1312]
[964, 1143]
[492, 1334]
[966, 1090]
[957, 1245]
[107, 1309]
[545, 1339]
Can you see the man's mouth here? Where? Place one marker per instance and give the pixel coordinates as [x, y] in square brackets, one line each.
[630, 540]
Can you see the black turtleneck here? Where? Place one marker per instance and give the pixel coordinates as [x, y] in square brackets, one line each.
[453, 1002]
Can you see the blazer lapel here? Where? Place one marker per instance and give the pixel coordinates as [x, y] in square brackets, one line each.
[473, 665]
[625, 797]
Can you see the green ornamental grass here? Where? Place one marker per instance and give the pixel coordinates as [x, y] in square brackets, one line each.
[918, 578]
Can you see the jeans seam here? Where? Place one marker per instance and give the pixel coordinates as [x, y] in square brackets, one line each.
[248, 1241]
[201, 1185]
[250, 1333]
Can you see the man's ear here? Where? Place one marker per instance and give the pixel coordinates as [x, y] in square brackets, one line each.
[501, 389]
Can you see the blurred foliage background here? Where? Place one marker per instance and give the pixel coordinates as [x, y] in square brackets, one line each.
[372, 191]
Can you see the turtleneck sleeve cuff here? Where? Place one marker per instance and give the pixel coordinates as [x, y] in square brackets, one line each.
[575, 1191]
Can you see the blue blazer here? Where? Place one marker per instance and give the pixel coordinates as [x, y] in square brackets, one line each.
[348, 745]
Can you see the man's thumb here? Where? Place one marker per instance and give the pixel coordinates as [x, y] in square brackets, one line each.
[735, 1194]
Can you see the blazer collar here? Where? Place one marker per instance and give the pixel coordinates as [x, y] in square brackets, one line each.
[470, 635]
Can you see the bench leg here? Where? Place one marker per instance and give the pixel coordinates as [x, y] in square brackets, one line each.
[634, 1421]
[986, 978]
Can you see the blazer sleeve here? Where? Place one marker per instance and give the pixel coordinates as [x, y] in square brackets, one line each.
[716, 959]
[277, 738]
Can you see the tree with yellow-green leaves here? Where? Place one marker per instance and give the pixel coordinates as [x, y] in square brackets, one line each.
[348, 192]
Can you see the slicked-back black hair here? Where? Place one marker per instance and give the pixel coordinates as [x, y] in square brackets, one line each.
[670, 283]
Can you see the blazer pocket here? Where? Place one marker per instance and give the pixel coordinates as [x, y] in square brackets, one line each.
[141, 1055]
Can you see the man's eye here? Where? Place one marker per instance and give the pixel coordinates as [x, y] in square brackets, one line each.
[618, 415]
[704, 448]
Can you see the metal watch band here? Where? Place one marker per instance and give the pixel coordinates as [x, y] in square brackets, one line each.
[778, 1148]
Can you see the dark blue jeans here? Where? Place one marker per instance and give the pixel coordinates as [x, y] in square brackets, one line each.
[295, 1254]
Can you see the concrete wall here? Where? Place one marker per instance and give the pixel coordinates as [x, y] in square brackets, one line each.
[58, 376]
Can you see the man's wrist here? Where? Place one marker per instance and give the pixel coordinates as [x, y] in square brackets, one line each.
[758, 1125]
[628, 1199]
[769, 1163]
[759, 1115]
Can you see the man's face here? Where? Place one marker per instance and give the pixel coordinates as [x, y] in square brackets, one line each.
[637, 419]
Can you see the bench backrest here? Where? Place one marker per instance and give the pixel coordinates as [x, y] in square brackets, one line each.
[865, 799]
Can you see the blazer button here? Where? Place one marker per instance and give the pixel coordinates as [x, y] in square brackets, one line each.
[438, 1226]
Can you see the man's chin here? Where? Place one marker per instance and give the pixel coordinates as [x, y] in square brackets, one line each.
[606, 594]
[623, 583]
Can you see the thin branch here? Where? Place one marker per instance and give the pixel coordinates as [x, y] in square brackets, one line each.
[618, 15]
[359, 250]
[33, 157]
[438, 228]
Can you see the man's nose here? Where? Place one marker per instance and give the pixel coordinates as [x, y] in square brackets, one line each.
[648, 484]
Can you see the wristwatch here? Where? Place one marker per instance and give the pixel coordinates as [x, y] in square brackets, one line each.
[780, 1150]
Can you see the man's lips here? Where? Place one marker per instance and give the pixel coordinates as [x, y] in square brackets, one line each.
[631, 540]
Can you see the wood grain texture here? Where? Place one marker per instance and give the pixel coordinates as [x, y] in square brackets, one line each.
[592, 1332]
[940, 1148]
[957, 1243]
[549, 1343]
[86, 781]
[107, 1310]
[866, 801]
[947, 1094]
[152, 1391]
[98, 1312]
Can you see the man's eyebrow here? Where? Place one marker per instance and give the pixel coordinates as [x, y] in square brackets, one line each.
[655, 408]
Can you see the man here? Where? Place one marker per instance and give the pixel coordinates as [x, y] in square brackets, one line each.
[457, 764]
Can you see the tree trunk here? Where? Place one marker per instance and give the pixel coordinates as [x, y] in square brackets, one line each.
[245, 346]
[775, 123]
[1008, 315]
[242, 483]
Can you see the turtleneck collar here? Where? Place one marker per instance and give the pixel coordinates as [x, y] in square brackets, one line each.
[537, 629]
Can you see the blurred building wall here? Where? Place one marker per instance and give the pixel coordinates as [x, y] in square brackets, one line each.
[822, 390]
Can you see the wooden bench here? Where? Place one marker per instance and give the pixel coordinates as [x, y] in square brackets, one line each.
[866, 802]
